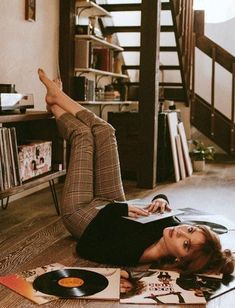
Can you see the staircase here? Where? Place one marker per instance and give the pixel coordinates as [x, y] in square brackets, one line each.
[204, 115]
[175, 76]
[177, 80]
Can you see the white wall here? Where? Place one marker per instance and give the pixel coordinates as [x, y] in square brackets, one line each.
[25, 45]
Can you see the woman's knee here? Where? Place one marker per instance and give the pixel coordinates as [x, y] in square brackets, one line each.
[105, 130]
[81, 132]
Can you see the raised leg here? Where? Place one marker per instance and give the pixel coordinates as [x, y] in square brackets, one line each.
[108, 182]
[85, 187]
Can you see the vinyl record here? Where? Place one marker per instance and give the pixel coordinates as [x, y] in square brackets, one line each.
[217, 228]
[70, 283]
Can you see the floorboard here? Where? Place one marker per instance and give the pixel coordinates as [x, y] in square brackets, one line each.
[32, 235]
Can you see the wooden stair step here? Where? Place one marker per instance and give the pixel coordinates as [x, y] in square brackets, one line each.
[162, 67]
[127, 7]
[131, 48]
[168, 48]
[162, 48]
[170, 67]
[171, 84]
[165, 6]
[174, 94]
[115, 29]
[130, 67]
[167, 29]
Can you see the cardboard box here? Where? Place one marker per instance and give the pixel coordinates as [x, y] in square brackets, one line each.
[34, 158]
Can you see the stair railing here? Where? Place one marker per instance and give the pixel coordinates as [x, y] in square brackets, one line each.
[182, 11]
[226, 60]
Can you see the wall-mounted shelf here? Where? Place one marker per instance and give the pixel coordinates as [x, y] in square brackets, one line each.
[99, 72]
[103, 104]
[97, 41]
[91, 9]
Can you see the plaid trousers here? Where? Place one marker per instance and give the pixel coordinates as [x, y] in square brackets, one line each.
[93, 176]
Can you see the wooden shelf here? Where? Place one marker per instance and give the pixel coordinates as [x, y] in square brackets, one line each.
[97, 41]
[28, 116]
[32, 183]
[33, 125]
[99, 72]
[107, 102]
[103, 104]
[91, 9]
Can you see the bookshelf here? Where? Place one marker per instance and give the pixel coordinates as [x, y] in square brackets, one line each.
[36, 125]
[99, 72]
[96, 41]
[95, 57]
[103, 104]
[90, 8]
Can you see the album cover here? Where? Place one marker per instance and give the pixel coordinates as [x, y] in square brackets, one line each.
[22, 283]
[158, 287]
[217, 223]
[34, 158]
[51, 282]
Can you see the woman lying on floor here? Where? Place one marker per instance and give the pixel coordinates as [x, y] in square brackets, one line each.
[93, 179]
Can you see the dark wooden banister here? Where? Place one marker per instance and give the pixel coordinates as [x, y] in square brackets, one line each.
[183, 19]
[226, 60]
[223, 57]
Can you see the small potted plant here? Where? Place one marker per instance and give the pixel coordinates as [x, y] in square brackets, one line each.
[200, 153]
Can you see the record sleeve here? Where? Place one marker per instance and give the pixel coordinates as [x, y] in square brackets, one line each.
[157, 287]
[22, 283]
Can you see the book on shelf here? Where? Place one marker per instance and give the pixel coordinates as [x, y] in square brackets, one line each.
[82, 54]
[51, 282]
[10, 176]
[15, 155]
[84, 89]
[102, 59]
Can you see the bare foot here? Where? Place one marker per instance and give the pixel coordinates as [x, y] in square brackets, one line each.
[58, 82]
[51, 86]
[57, 111]
[56, 96]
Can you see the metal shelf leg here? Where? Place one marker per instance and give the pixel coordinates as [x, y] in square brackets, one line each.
[5, 205]
[54, 196]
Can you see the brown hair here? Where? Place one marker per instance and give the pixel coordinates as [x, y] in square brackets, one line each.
[207, 257]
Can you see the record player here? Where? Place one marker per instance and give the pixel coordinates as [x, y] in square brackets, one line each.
[10, 100]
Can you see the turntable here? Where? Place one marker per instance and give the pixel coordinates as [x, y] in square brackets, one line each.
[10, 100]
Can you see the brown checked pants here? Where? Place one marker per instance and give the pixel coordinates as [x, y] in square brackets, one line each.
[93, 176]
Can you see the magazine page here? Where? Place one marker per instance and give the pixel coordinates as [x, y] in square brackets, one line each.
[158, 287]
[155, 216]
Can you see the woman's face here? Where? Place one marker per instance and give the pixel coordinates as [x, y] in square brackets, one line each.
[125, 285]
[182, 240]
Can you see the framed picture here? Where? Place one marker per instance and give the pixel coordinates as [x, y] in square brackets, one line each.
[30, 10]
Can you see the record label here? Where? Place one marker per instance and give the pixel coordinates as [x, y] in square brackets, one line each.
[71, 282]
[68, 283]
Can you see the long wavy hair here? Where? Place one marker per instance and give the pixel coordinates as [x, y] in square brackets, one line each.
[206, 257]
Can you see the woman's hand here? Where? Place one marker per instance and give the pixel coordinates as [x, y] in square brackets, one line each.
[134, 211]
[159, 205]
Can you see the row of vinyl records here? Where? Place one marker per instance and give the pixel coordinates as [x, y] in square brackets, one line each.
[9, 160]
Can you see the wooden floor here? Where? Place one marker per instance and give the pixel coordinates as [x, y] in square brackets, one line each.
[33, 235]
